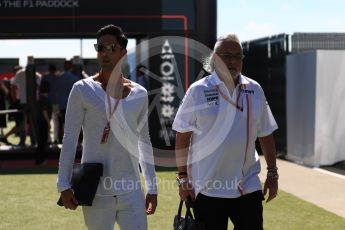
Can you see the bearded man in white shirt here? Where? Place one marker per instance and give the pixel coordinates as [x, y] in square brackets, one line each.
[217, 124]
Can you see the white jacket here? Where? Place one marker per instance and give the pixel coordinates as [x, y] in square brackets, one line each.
[128, 143]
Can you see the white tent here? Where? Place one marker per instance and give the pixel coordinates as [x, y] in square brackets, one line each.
[315, 94]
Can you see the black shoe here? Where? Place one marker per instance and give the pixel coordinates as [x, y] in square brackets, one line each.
[5, 141]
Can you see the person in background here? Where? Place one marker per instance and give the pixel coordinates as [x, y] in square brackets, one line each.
[49, 82]
[43, 118]
[63, 86]
[3, 97]
[217, 124]
[19, 95]
[17, 117]
[141, 77]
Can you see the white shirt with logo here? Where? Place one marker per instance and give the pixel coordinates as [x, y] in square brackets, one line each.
[222, 161]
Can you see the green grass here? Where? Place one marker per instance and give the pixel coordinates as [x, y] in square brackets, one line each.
[29, 202]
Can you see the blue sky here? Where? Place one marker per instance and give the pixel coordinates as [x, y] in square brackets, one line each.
[254, 19]
[250, 19]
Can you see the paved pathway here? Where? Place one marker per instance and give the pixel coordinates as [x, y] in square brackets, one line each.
[320, 187]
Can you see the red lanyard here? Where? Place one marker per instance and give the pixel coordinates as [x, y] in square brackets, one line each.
[107, 127]
[248, 128]
[237, 106]
[109, 106]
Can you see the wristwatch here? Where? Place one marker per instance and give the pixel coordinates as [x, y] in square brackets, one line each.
[273, 174]
[180, 181]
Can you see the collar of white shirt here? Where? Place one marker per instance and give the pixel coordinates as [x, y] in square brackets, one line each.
[215, 80]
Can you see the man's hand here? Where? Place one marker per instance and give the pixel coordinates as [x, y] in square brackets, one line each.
[271, 184]
[186, 190]
[68, 199]
[269, 150]
[151, 203]
[182, 143]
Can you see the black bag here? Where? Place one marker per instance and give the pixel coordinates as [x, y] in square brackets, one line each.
[188, 222]
[85, 180]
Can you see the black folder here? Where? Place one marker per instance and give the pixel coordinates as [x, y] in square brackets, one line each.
[84, 182]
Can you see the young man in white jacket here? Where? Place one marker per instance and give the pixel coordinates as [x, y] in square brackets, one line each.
[112, 112]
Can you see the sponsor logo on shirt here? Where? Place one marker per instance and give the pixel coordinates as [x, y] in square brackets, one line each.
[212, 97]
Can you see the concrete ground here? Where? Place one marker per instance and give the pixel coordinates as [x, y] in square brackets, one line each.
[321, 187]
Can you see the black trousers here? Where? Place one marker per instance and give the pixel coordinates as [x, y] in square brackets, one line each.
[245, 212]
[42, 143]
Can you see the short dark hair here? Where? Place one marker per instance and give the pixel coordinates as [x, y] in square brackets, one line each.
[68, 65]
[51, 68]
[116, 31]
[139, 68]
[17, 68]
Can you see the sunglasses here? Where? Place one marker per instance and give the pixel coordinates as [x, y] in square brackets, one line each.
[228, 56]
[106, 48]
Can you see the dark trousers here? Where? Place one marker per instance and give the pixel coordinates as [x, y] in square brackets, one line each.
[27, 120]
[245, 212]
[42, 144]
[62, 115]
